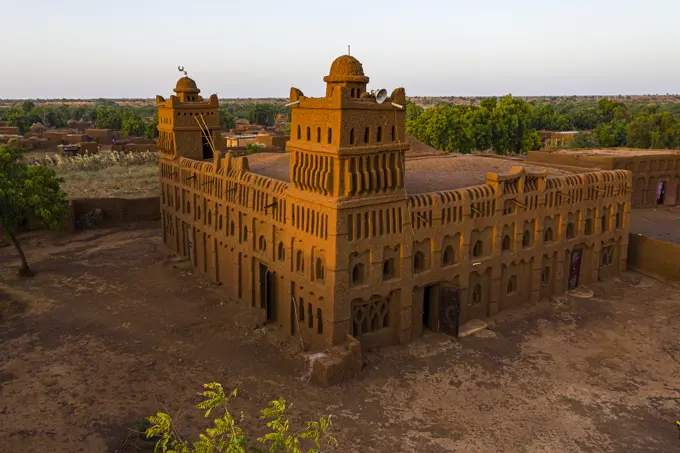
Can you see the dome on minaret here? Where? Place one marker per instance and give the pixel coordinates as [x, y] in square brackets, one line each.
[346, 68]
[186, 85]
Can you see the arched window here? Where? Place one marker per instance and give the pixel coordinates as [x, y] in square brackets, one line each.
[188, 207]
[245, 233]
[379, 135]
[512, 285]
[388, 269]
[301, 310]
[319, 269]
[299, 134]
[507, 243]
[209, 217]
[366, 133]
[545, 275]
[478, 249]
[318, 135]
[309, 134]
[319, 321]
[352, 92]
[358, 274]
[282, 252]
[448, 257]
[351, 136]
[477, 294]
[570, 231]
[299, 261]
[262, 243]
[198, 212]
[526, 239]
[589, 226]
[310, 318]
[603, 222]
[231, 228]
[393, 132]
[330, 135]
[418, 262]
[220, 223]
[548, 235]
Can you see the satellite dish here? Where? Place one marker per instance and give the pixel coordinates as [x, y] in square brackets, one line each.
[380, 96]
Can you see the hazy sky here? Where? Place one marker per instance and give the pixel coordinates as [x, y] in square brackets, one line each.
[131, 48]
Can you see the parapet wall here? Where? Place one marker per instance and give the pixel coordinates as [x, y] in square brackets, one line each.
[116, 210]
[654, 256]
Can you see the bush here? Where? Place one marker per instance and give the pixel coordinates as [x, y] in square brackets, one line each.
[228, 437]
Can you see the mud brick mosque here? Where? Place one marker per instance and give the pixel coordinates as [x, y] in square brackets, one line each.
[330, 246]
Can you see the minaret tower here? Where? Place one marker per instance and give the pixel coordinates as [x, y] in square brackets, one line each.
[188, 126]
[347, 147]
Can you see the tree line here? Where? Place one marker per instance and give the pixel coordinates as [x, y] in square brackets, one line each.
[510, 125]
[132, 121]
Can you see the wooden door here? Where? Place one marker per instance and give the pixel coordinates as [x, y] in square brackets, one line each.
[575, 268]
[449, 309]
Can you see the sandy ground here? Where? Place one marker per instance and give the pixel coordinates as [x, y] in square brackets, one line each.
[112, 329]
[662, 223]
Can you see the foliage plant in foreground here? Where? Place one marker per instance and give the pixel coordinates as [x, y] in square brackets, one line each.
[27, 192]
[228, 437]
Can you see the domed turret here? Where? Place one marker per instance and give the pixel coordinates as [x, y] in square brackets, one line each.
[346, 71]
[187, 90]
[346, 68]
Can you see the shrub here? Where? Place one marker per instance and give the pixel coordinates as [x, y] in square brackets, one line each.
[228, 437]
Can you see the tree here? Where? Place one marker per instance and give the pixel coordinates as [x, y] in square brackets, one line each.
[228, 437]
[27, 192]
[262, 114]
[413, 111]
[583, 140]
[226, 119]
[510, 126]
[611, 134]
[133, 125]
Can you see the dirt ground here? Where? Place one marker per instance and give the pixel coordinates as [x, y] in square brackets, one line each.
[662, 223]
[112, 329]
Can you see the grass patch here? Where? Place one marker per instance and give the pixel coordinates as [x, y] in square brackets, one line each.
[125, 182]
[108, 174]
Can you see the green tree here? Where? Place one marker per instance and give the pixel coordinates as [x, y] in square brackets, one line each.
[227, 436]
[226, 119]
[611, 134]
[133, 125]
[151, 130]
[583, 140]
[27, 192]
[544, 117]
[413, 111]
[510, 126]
[262, 114]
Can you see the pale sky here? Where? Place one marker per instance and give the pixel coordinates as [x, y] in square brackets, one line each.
[131, 48]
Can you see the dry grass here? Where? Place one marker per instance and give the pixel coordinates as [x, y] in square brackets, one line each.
[132, 175]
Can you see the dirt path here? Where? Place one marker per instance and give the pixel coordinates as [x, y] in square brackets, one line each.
[112, 330]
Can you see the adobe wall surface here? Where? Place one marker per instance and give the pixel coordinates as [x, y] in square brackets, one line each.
[651, 170]
[654, 256]
[342, 248]
[9, 130]
[116, 210]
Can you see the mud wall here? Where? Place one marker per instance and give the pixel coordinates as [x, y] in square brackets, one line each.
[654, 256]
[570, 160]
[114, 210]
